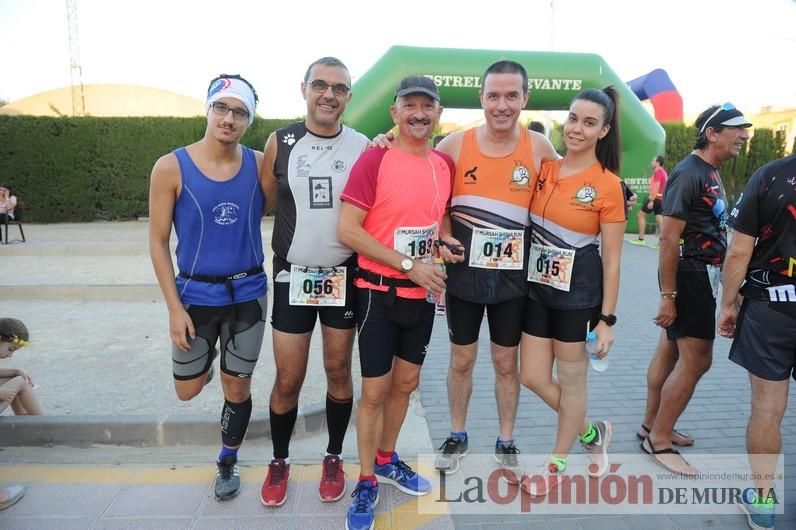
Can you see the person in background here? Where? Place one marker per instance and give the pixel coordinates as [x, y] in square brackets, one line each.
[654, 200]
[16, 390]
[692, 246]
[16, 386]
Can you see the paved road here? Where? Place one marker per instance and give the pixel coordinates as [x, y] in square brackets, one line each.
[716, 417]
[169, 487]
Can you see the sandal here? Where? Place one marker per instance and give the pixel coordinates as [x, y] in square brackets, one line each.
[667, 451]
[689, 440]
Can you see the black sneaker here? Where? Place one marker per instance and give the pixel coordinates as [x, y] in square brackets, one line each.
[506, 456]
[227, 478]
[451, 451]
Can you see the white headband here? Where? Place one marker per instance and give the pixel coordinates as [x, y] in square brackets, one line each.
[229, 87]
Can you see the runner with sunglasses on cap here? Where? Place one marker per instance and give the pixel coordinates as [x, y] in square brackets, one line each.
[306, 168]
[211, 192]
[693, 242]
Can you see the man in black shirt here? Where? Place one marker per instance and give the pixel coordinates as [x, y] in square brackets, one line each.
[763, 252]
[692, 245]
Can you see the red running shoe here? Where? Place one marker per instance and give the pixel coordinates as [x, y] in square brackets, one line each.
[274, 492]
[332, 486]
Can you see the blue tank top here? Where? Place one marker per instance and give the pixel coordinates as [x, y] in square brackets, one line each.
[218, 232]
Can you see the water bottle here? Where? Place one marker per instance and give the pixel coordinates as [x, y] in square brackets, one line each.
[599, 365]
[431, 298]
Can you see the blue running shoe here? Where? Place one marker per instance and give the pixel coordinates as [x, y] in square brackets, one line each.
[759, 516]
[361, 514]
[402, 477]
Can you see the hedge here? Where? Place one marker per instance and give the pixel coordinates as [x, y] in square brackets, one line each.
[82, 169]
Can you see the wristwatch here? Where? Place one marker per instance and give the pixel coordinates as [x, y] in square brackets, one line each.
[608, 319]
[407, 264]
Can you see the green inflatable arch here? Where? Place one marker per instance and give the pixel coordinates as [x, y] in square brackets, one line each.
[554, 79]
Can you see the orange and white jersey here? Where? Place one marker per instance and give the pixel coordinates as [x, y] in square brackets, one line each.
[489, 215]
[569, 210]
[493, 190]
[565, 268]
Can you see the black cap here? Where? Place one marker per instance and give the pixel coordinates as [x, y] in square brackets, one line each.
[417, 84]
[725, 115]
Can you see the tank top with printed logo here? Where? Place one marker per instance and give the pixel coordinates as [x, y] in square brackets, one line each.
[490, 193]
[218, 232]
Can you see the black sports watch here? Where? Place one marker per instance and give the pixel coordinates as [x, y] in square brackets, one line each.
[608, 319]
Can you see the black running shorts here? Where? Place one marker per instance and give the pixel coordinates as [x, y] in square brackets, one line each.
[564, 325]
[214, 323]
[301, 318]
[657, 207]
[695, 304]
[505, 320]
[403, 331]
[765, 341]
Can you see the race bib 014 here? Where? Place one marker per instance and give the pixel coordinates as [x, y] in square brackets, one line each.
[496, 249]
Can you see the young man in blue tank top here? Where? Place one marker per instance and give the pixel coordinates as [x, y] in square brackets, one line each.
[211, 192]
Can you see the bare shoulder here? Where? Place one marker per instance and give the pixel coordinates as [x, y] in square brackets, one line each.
[452, 144]
[258, 156]
[166, 168]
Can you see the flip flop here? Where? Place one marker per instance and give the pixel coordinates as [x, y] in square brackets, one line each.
[688, 437]
[667, 451]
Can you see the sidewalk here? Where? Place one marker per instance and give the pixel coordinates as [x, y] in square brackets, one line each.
[98, 322]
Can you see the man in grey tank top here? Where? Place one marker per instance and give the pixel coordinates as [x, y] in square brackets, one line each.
[306, 167]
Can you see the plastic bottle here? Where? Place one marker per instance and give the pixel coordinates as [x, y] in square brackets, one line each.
[599, 365]
[432, 298]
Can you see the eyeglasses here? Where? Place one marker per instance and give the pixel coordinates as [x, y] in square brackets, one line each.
[222, 109]
[726, 106]
[320, 86]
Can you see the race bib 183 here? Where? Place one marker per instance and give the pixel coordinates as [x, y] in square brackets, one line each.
[417, 242]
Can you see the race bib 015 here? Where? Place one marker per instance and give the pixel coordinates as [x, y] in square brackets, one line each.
[551, 266]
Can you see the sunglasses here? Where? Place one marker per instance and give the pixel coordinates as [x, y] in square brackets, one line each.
[726, 106]
[320, 86]
[456, 250]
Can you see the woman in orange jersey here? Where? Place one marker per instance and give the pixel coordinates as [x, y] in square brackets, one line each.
[578, 207]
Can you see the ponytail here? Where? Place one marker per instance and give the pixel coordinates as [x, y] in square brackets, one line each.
[609, 146]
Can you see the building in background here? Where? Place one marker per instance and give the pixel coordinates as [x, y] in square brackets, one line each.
[108, 101]
[777, 119]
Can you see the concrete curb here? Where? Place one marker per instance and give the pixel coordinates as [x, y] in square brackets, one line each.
[142, 430]
[120, 292]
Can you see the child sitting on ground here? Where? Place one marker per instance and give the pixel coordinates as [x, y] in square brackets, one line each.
[16, 386]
